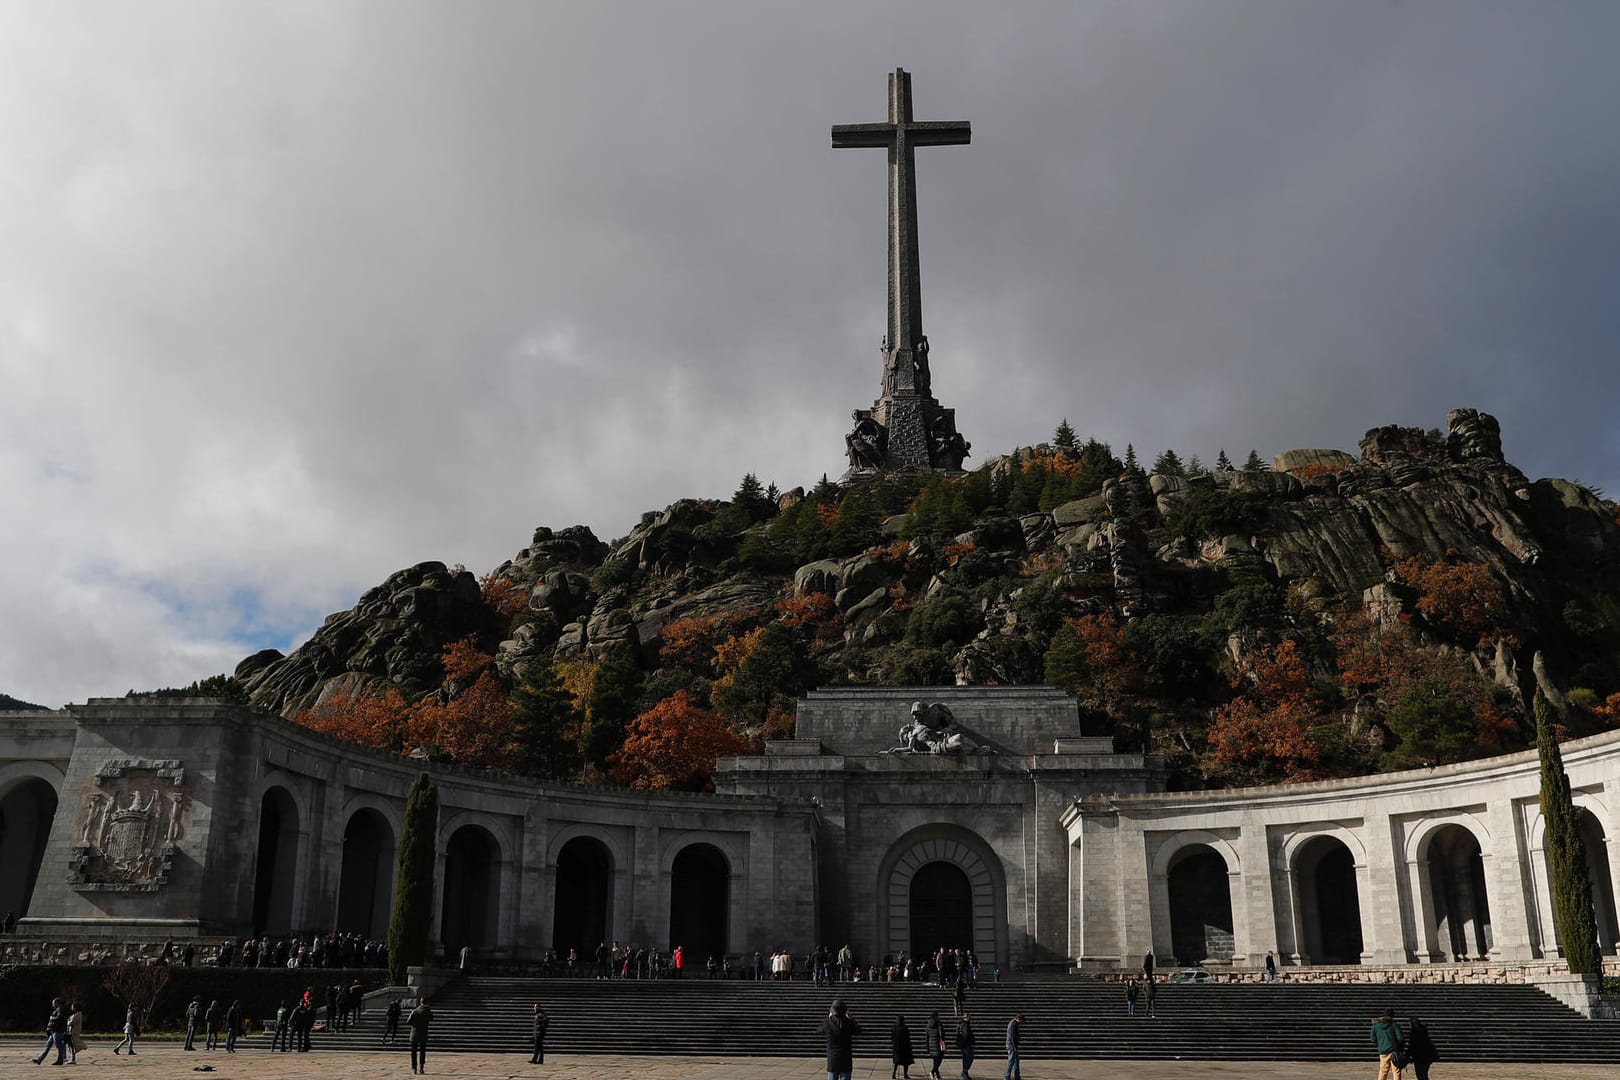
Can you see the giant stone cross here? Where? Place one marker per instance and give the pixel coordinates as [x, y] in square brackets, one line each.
[906, 427]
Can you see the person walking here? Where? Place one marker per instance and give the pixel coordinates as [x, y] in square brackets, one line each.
[541, 1022]
[132, 1030]
[211, 1025]
[391, 1023]
[1015, 1028]
[1271, 966]
[1386, 1035]
[964, 1042]
[840, 1029]
[418, 1021]
[936, 1044]
[1147, 964]
[75, 1032]
[194, 1013]
[233, 1026]
[1131, 993]
[959, 999]
[900, 1048]
[55, 1033]
[1149, 992]
[1419, 1048]
[282, 1039]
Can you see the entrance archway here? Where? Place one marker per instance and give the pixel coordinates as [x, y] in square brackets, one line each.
[1330, 907]
[941, 909]
[1456, 883]
[583, 899]
[471, 890]
[277, 863]
[1200, 905]
[366, 880]
[699, 901]
[942, 856]
[1597, 868]
[27, 810]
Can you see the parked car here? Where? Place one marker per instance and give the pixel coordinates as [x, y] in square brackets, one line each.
[1191, 975]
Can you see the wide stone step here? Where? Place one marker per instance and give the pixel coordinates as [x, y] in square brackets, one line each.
[1063, 1019]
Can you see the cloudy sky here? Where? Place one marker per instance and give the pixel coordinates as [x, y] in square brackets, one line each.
[295, 294]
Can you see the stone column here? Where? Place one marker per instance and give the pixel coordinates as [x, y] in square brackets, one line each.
[1295, 941]
[1390, 914]
[648, 890]
[1254, 929]
[1370, 938]
[1543, 934]
[1505, 887]
[435, 930]
[1423, 938]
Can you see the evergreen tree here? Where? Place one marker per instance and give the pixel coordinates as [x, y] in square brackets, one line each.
[1097, 466]
[544, 722]
[1063, 438]
[1566, 854]
[413, 881]
[1222, 462]
[974, 495]
[1252, 463]
[611, 705]
[1169, 464]
[1066, 666]
[750, 498]
[1195, 467]
[1025, 497]
[1131, 464]
[857, 526]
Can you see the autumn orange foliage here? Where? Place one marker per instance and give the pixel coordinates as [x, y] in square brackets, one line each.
[470, 721]
[675, 744]
[814, 610]
[1265, 734]
[1113, 670]
[1466, 599]
[504, 596]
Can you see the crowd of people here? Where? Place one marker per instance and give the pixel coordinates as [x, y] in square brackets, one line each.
[840, 1029]
[330, 950]
[823, 966]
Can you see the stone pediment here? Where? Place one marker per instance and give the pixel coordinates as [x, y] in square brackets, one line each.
[873, 721]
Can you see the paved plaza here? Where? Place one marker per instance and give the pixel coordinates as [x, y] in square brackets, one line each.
[164, 1060]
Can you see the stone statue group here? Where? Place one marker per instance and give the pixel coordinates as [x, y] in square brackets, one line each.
[933, 730]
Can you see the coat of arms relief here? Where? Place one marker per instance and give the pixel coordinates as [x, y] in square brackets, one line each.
[131, 826]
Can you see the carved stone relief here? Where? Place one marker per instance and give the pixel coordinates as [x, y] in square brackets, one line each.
[131, 826]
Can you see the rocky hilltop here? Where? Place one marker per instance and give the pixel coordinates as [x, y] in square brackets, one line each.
[923, 580]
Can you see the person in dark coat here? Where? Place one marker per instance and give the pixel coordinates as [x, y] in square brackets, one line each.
[1148, 994]
[959, 998]
[936, 1044]
[1015, 1029]
[964, 1043]
[391, 1023]
[233, 1026]
[418, 1021]
[541, 1022]
[900, 1048]
[56, 1034]
[1147, 964]
[1131, 991]
[840, 1030]
[1420, 1048]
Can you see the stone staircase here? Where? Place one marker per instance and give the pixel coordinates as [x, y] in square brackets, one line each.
[1063, 1018]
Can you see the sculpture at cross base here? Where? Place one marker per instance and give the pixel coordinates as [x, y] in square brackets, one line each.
[917, 432]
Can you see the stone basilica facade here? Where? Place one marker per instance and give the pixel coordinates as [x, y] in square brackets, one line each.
[991, 823]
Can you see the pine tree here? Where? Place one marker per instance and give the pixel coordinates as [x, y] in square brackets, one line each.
[1063, 438]
[1195, 467]
[1169, 464]
[1252, 463]
[413, 881]
[545, 719]
[1131, 464]
[615, 690]
[750, 498]
[1566, 854]
[1222, 462]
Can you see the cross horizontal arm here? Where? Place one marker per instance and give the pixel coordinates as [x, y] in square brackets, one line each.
[939, 133]
[846, 135]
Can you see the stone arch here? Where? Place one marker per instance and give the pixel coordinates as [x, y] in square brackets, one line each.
[1324, 871]
[366, 874]
[701, 883]
[1198, 886]
[28, 803]
[1448, 861]
[470, 908]
[276, 865]
[973, 858]
[584, 871]
[1593, 818]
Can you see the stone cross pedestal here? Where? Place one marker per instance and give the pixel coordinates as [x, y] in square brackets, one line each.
[906, 427]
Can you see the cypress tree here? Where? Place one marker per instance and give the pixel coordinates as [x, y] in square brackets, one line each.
[413, 880]
[1566, 854]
